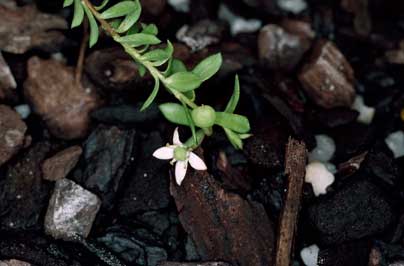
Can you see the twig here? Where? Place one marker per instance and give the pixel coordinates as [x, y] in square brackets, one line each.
[295, 165]
[83, 47]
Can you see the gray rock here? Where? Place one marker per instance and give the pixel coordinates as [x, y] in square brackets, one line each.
[14, 263]
[71, 211]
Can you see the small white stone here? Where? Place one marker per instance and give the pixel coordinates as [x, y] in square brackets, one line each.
[395, 141]
[366, 113]
[324, 150]
[23, 110]
[319, 177]
[309, 255]
[237, 23]
[294, 6]
[180, 5]
[59, 57]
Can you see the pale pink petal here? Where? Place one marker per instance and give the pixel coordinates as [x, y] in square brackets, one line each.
[176, 137]
[196, 162]
[164, 153]
[180, 171]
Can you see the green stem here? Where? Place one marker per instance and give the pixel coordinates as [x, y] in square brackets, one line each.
[136, 55]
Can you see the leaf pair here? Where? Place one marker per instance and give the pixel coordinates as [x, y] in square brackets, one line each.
[130, 10]
[185, 81]
[235, 130]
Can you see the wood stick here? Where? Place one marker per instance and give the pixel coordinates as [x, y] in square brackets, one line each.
[295, 168]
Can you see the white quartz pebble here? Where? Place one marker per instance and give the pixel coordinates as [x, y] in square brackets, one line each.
[309, 255]
[319, 177]
[324, 150]
[366, 113]
[293, 6]
[180, 5]
[395, 141]
[237, 23]
[23, 110]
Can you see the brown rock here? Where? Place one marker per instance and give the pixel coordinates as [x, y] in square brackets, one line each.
[328, 77]
[7, 81]
[113, 69]
[298, 27]
[223, 225]
[12, 133]
[24, 28]
[193, 264]
[59, 166]
[14, 263]
[63, 104]
[280, 49]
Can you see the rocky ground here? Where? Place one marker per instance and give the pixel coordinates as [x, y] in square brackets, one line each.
[321, 182]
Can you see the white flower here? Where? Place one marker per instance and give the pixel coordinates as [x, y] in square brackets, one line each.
[180, 155]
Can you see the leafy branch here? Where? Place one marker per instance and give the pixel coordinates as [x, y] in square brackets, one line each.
[139, 40]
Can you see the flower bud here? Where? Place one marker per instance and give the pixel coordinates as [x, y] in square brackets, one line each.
[204, 116]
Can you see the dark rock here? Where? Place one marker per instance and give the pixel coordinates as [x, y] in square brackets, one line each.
[36, 250]
[126, 114]
[7, 81]
[113, 69]
[71, 211]
[279, 49]
[12, 133]
[362, 20]
[203, 34]
[25, 28]
[223, 225]
[299, 27]
[349, 254]
[334, 117]
[355, 211]
[328, 77]
[59, 165]
[107, 153]
[147, 188]
[153, 7]
[194, 264]
[131, 248]
[23, 192]
[58, 99]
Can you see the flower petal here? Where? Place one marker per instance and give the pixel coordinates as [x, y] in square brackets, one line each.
[196, 162]
[180, 171]
[176, 137]
[164, 153]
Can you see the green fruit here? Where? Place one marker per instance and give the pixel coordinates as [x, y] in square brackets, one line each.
[180, 154]
[204, 116]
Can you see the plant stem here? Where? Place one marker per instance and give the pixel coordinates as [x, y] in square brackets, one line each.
[136, 55]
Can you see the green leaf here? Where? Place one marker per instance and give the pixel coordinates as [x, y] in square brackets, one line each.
[232, 104]
[174, 113]
[119, 10]
[153, 95]
[183, 81]
[141, 69]
[150, 29]
[190, 95]
[131, 18]
[208, 67]
[94, 32]
[234, 139]
[114, 23]
[134, 29]
[174, 66]
[139, 39]
[78, 14]
[159, 56]
[102, 5]
[237, 123]
[67, 3]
